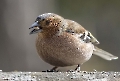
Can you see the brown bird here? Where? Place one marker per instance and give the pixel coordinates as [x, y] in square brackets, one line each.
[63, 42]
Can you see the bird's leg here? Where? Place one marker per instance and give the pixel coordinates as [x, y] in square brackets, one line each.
[53, 69]
[77, 68]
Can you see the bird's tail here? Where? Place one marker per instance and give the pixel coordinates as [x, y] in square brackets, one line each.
[103, 54]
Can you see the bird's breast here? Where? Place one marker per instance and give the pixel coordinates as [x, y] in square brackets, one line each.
[64, 50]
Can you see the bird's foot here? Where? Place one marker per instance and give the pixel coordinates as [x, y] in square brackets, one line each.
[77, 69]
[52, 70]
[70, 70]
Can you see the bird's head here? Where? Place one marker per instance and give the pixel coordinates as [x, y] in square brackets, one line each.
[48, 22]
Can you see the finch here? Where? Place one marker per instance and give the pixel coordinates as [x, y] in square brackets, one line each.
[62, 42]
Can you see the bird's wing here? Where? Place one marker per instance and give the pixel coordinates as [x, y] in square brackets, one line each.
[74, 27]
[103, 54]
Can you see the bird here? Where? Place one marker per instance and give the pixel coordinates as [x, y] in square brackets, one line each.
[63, 42]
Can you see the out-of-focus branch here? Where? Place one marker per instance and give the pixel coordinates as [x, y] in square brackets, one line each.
[60, 76]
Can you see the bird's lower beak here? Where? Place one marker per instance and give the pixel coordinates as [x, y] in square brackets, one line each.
[36, 28]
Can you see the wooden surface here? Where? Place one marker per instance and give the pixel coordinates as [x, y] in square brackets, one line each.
[60, 76]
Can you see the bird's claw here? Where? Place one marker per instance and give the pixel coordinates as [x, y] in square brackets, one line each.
[77, 68]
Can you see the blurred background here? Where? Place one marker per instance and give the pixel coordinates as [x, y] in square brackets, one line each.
[17, 47]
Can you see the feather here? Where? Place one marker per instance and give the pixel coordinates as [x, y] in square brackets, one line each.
[103, 54]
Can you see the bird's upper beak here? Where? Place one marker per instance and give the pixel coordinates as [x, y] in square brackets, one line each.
[36, 28]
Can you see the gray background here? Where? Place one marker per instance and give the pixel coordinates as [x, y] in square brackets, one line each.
[17, 47]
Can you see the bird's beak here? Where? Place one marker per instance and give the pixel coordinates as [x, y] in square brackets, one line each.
[36, 28]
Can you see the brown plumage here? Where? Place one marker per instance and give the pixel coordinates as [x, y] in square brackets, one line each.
[63, 42]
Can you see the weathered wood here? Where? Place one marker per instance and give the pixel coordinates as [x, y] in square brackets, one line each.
[60, 76]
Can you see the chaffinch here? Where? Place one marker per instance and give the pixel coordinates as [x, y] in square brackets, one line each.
[63, 42]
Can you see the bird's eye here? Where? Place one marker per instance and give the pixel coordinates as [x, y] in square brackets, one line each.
[38, 19]
[47, 22]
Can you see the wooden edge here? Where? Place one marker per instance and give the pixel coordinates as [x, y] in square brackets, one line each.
[60, 76]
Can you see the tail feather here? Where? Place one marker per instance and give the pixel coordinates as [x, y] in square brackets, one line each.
[103, 54]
